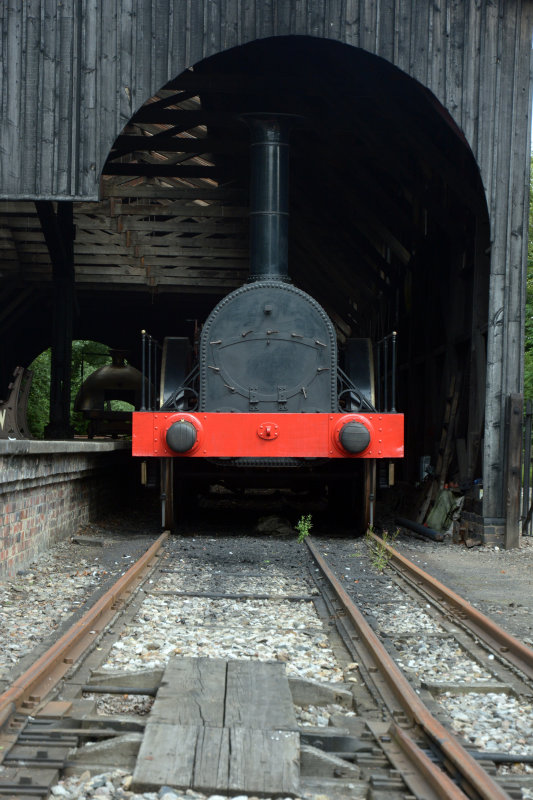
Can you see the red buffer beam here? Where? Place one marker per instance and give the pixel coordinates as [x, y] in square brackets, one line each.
[262, 435]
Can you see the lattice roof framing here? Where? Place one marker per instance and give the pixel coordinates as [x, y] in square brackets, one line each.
[140, 235]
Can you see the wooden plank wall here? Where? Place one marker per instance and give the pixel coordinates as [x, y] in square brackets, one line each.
[74, 72]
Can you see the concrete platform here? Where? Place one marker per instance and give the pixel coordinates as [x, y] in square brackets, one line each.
[39, 446]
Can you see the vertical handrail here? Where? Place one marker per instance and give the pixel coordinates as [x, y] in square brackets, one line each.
[150, 373]
[393, 373]
[386, 374]
[378, 399]
[384, 385]
[150, 370]
[143, 369]
[157, 388]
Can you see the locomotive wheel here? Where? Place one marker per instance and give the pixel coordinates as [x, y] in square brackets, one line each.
[349, 498]
[184, 497]
[178, 496]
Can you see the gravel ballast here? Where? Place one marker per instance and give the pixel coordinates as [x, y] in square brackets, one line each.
[498, 582]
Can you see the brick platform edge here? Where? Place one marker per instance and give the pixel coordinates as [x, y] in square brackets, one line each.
[47, 490]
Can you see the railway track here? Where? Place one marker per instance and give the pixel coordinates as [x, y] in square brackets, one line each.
[461, 612]
[362, 729]
[403, 696]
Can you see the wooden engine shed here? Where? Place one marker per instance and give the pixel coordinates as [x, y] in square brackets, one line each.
[124, 187]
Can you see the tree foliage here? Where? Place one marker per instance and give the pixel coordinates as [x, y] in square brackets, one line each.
[528, 369]
[39, 398]
[86, 357]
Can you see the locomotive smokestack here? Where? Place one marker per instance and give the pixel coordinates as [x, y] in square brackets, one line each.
[269, 196]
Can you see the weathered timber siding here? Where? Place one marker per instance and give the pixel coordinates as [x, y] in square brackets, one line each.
[74, 72]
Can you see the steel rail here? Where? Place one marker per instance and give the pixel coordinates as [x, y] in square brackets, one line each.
[484, 628]
[441, 783]
[414, 708]
[41, 677]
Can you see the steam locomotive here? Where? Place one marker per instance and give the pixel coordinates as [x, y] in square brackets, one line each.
[266, 402]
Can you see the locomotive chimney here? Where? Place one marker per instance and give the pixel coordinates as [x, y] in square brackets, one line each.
[269, 196]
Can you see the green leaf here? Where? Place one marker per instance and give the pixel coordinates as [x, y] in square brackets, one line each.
[87, 356]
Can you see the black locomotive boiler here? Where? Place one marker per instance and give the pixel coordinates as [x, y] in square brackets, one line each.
[267, 402]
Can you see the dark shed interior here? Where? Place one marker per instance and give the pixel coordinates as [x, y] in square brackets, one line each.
[388, 226]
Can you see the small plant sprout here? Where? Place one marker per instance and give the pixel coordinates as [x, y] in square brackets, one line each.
[303, 526]
[379, 555]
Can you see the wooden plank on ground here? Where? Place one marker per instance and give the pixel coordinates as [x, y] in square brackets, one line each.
[264, 762]
[166, 756]
[221, 728]
[192, 692]
[212, 761]
[215, 760]
[258, 696]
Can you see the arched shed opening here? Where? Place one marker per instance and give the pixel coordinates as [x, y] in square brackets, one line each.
[388, 229]
[388, 220]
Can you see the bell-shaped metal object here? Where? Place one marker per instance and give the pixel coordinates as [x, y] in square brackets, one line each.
[115, 381]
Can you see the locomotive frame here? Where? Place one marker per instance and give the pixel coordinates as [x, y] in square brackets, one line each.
[267, 401]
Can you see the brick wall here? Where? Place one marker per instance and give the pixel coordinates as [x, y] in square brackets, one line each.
[47, 493]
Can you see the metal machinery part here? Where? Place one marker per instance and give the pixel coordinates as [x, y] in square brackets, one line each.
[354, 437]
[181, 436]
[359, 367]
[13, 410]
[175, 365]
[115, 381]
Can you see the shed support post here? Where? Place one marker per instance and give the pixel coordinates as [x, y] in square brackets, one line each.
[58, 230]
[513, 472]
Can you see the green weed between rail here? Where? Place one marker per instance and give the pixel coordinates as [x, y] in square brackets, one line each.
[303, 526]
[379, 555]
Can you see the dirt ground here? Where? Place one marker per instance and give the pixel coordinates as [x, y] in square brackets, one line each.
[498, 582]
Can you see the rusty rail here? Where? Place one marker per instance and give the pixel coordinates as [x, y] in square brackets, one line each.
[519, 654]
[28, 689]
[441, 784]
[414, 708]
